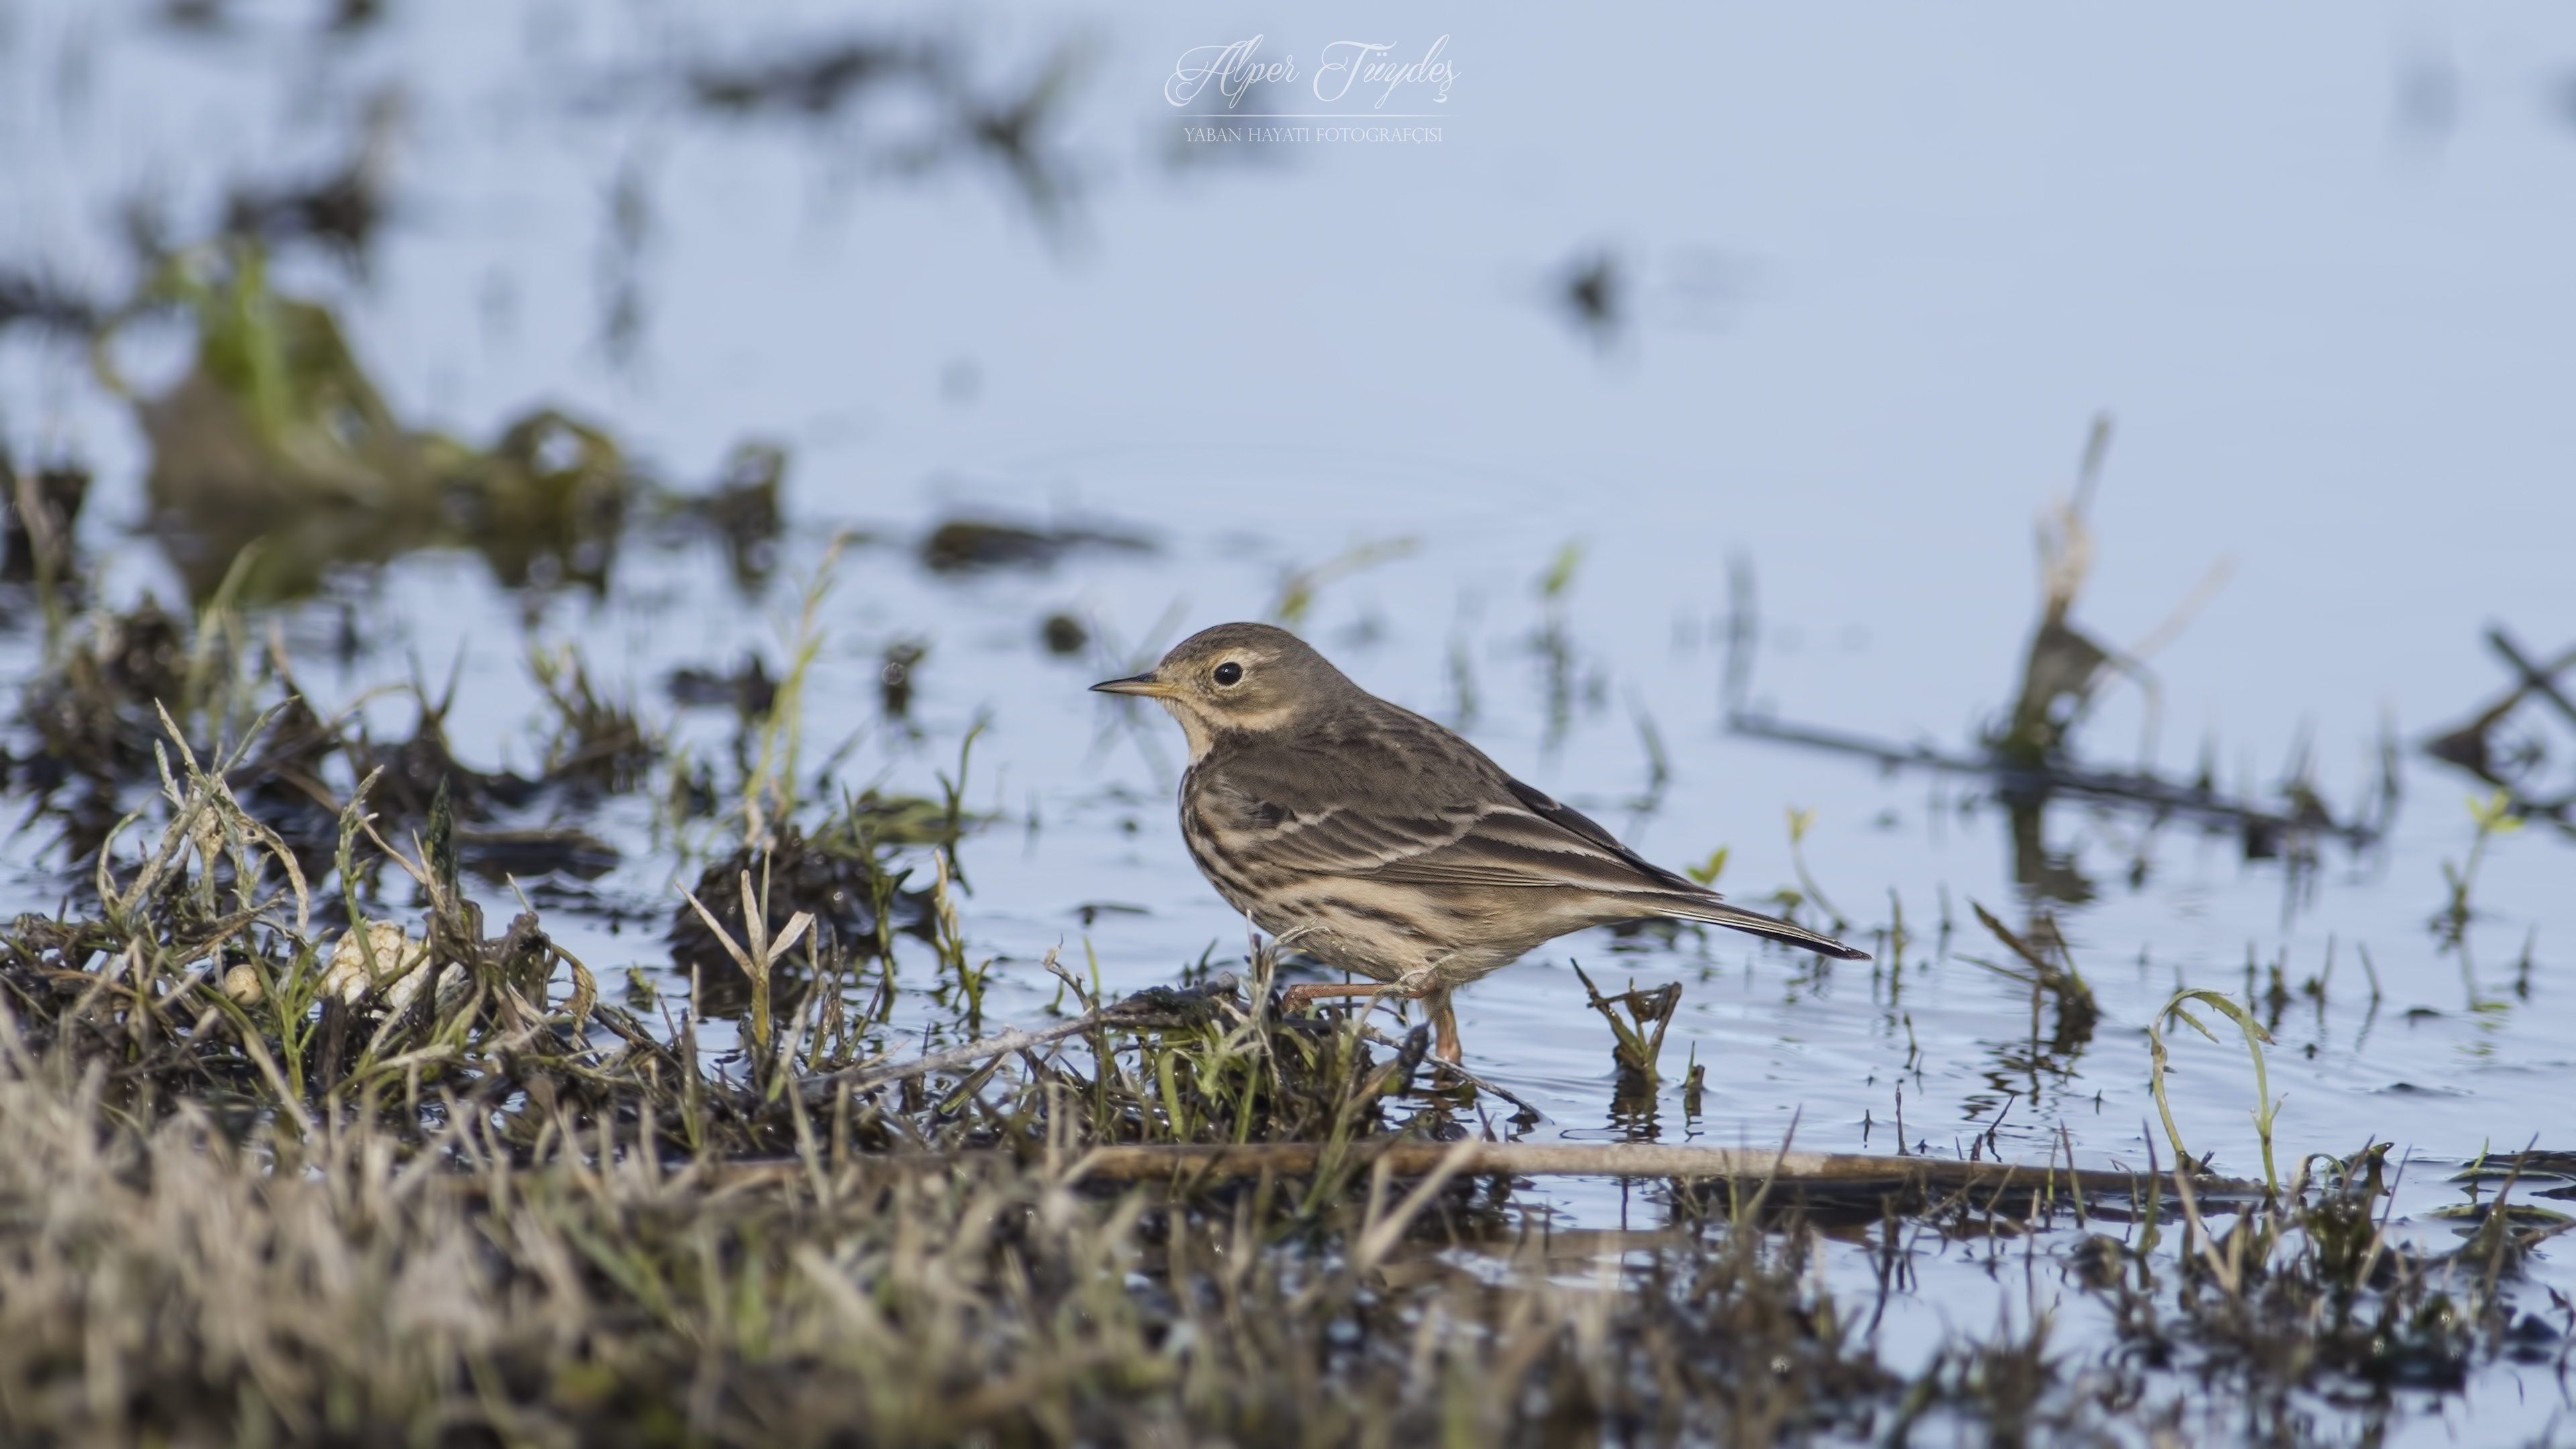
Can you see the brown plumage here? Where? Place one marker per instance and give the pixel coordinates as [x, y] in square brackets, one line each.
[1382, 843]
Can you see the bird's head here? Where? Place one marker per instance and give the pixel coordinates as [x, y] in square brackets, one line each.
[1236, 678]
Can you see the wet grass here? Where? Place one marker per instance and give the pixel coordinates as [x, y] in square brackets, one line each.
[307, 1148]
[436, 1185]
[300, 1147]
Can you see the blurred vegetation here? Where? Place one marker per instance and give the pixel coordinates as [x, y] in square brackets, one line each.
[277, 437]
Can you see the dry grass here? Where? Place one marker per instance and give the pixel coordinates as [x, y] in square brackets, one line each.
[172, 1281]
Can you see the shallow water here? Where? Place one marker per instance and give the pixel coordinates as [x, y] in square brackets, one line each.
[1882, 278]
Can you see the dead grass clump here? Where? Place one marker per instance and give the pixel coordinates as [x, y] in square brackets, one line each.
[255, 1184]
[263, 1178]
[92, 711]
[858, 899]
[177, 1280]
[598, 745]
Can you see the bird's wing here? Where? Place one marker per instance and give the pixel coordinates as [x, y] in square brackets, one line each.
[1530, 839]
[1489, 831]
[1545, 843]
[1334, 840]
[1456, 829]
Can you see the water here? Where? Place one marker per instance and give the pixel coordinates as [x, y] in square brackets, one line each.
[1877, 275]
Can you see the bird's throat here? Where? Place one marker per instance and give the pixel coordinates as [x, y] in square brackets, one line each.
[1203, 733]
[1193, 729]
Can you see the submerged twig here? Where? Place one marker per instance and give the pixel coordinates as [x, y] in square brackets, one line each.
[2195, 801]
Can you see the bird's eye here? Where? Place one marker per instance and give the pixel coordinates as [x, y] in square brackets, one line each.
[1229, 673]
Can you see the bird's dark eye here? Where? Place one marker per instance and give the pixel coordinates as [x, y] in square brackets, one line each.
[1229, 673]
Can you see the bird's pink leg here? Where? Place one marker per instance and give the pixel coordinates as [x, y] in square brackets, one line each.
[1444, 1022]
[1307, 992]
[1444, 1019]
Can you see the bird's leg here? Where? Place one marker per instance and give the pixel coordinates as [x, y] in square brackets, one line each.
[1444, 1022]
[1306, 992]
[1444, 1017]
[1298, 996]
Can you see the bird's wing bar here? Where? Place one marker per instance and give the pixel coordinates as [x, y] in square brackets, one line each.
[1506, 846]
[1336, 841]
[1498, 844]
[1525, 839]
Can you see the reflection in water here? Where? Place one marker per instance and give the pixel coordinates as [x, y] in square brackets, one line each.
[2031, 757]
[2508, 743]
[277, 437]
[1638, 1044]
[909, 105]
[276, 455]
[1553, 644]
[977, 545]
[2032, 1066]
[45, 303]
[43, 507]
[339, 210]
[2039, 871]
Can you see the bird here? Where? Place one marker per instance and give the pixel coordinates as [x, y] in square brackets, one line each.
[1383, 843]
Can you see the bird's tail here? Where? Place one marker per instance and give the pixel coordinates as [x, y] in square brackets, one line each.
[1718, 913]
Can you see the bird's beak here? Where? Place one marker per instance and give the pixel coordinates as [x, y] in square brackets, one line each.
[1145, 684]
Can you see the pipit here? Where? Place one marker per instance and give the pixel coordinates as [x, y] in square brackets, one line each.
[1382, 843]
